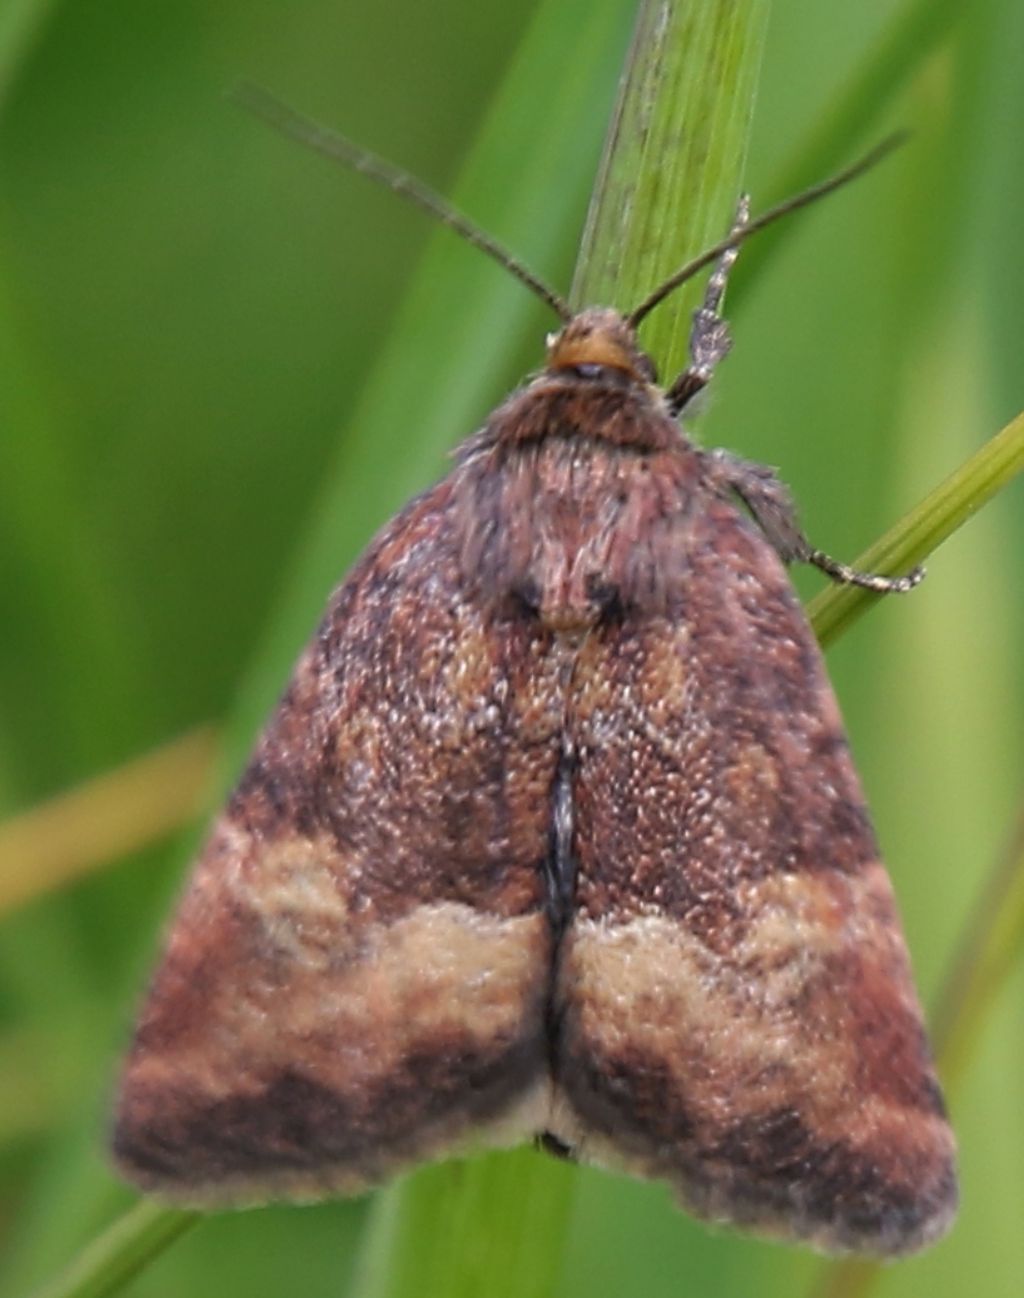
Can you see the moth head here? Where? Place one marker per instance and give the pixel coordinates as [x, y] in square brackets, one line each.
[599, 343]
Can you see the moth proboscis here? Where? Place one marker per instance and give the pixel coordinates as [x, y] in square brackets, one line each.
[555, 834]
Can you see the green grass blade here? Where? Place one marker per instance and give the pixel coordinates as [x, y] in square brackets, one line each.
[673, 167]
[493, 1225]
[922, 530]
[96, 822]
[121, 1251]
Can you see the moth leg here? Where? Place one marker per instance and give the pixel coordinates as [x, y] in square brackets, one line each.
[710, 340]
[772, 508]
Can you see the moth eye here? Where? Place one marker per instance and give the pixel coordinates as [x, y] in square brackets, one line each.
[589, 370]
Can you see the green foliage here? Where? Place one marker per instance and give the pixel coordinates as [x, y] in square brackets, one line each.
[216, 380]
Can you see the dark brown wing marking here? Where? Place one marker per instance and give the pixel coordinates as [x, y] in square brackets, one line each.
[358, 972]
[737, 1013]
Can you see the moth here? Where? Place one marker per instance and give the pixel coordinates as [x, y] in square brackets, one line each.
[555, 834]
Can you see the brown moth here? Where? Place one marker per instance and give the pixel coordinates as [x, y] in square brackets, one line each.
[555, 834]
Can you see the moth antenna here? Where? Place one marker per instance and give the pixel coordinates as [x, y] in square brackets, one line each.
[296, 126]
[736, 237]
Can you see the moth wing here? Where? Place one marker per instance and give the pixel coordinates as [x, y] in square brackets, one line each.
[357, 974]
[735, 999]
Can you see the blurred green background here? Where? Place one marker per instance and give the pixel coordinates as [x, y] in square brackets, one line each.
[189, 308]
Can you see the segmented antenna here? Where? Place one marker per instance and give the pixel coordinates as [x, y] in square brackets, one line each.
[298, 127]
[737, 237]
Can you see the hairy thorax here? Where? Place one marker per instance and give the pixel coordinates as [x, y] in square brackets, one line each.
[580, 514]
